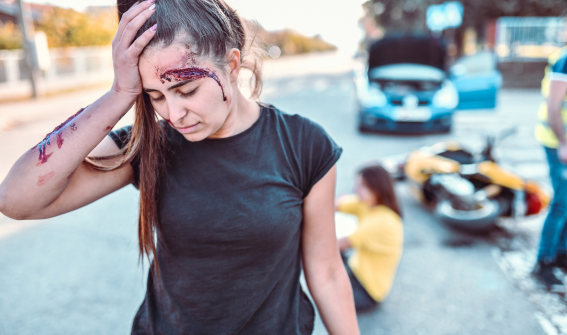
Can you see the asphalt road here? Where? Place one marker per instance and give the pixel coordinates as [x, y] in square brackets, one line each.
[79, 273]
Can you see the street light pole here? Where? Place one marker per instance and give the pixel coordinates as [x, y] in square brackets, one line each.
[25, 21]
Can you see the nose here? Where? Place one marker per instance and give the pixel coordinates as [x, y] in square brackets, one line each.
[176, 109]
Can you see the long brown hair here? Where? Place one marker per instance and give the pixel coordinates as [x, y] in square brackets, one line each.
[212, 28]
[379, 182]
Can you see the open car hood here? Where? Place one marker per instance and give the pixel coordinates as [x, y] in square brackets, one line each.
[414, 49]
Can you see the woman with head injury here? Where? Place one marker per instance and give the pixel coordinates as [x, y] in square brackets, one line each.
[236, 196]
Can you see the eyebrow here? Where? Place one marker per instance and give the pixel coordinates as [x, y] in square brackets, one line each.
[179, 84]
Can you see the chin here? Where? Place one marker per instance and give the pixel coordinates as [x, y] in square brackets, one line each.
[195, 137]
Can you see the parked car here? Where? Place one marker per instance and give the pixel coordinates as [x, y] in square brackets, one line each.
[477, 80]
[405, 89]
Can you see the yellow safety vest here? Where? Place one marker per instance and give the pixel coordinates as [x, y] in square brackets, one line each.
[543, 132]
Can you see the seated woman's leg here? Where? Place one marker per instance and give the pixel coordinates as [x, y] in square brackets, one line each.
[362, 300]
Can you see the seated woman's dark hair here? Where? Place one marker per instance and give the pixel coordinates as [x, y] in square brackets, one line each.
[379, 182]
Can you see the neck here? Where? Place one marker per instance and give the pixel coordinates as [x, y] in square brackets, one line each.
[241, 116]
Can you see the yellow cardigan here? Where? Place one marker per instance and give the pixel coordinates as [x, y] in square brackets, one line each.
[377, 244]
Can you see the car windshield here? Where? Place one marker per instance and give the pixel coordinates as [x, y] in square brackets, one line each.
[413, 49]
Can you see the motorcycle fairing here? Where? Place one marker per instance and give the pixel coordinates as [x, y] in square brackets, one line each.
[500, 176]
[421, 165]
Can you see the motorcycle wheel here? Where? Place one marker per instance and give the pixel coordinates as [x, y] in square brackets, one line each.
[479, 221]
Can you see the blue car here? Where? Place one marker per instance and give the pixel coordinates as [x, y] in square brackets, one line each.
[404, 88]
[477, 80]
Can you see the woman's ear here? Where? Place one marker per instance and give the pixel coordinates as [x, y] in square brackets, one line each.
[233, 60]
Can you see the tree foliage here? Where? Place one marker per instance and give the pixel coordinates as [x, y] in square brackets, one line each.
[10, 37]
[410, 15]
[407, 15]
[68, 28]
[291, 42]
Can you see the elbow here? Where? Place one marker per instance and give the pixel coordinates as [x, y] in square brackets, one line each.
[3, 205]
[325, 275]
[8, 210]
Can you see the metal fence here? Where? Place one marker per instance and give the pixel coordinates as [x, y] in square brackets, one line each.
[529, 38]
[70, 68]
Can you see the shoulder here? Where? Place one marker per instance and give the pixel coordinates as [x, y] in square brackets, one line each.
[294, 123]
[300, 131]
[121, 136]
[297, 130]
[386, 217]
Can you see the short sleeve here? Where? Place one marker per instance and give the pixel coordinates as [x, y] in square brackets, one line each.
[121, 137]
[559, 70]
[319, 153]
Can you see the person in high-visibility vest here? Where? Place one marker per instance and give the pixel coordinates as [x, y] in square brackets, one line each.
[550, 131]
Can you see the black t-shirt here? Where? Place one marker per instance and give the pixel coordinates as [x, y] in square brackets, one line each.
[231, 214]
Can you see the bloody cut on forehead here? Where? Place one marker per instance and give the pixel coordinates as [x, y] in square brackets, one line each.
[191, 73]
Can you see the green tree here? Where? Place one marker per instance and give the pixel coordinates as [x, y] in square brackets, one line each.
[68, 28]
[291, 42]
[409, 15]
[10, 37]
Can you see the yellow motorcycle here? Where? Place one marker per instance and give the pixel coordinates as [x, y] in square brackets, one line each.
[467, 190]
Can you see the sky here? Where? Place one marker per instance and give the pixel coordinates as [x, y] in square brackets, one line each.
[334, 20]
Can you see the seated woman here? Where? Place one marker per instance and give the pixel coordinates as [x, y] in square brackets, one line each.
[378, 239]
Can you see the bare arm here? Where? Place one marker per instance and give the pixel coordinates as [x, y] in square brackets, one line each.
[324, 271]
[557, 92]
[50, 179]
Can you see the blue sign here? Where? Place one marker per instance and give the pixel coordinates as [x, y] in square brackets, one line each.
[435, 17]
[447, 15]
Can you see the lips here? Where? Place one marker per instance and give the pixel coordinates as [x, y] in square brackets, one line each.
[188, 130]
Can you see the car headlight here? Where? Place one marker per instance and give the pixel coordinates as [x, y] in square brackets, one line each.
[371, 96]
[446, 97]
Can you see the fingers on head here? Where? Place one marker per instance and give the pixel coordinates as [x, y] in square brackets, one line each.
[135, 11]
[134, 26]
[128, 16]
[141, 42]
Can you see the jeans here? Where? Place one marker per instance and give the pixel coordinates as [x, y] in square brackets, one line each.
[362, 300]
[554, 233]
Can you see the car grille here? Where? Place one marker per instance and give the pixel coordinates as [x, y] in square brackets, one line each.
[398, 102]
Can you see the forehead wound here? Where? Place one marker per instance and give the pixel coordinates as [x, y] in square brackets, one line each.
[168, 58]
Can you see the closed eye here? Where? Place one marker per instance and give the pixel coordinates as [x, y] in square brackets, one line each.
[188, 94]
[158, 99]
